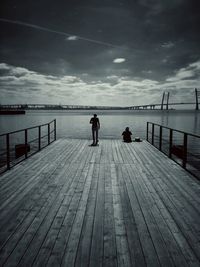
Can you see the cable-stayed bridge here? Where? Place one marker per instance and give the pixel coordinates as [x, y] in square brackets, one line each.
[164, 105]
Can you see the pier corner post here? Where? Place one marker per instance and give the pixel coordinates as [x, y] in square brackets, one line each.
[8, 151]
[26, 141]
[160, 138]
[54, 129]
[39, 138]
[152, 138]
[170, 142]
[185, 141]
[48, 134]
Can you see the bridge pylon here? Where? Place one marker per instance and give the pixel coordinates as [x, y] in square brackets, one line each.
[197, 95]
[162, 103]
[163, 99]
[167, 105]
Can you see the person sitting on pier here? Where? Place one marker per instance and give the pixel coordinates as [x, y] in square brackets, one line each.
[127, 135]
[95, 128]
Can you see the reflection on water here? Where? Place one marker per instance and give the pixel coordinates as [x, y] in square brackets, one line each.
[75, 124]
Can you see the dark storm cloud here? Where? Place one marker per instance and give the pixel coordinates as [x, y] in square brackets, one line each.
[158, 40]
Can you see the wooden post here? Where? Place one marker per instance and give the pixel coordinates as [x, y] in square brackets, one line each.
[54, 129]
[8, 151]
[147, 134]
[48, 134]
[39, 138]
[152, 138]
[184, 150]
[170, 142]
[160, 141]
[196, 97]
[26, 141]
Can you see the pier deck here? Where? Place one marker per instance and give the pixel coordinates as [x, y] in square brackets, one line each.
[113, 205]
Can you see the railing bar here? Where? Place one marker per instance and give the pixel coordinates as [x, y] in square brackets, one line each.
[44, 136]
[10, 160]
[195, 135]
[185, 155]
[33, 140]
[21, 130]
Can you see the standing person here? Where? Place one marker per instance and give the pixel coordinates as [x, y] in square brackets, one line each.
[127, 135]
[95, 128]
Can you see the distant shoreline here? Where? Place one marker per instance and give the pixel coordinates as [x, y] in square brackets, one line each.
[98, 111]
[12, 112]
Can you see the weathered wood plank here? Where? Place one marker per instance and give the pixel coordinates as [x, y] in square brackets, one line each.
[133, 238]
[109, 234]
[123, 254]
[96, 254]
[116, 204]
[83, 251]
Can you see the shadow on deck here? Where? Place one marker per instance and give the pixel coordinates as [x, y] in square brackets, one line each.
[113, 205]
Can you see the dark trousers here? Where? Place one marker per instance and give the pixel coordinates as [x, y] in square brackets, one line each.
[95, 135]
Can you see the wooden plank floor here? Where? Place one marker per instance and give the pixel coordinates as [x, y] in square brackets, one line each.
[113, 205]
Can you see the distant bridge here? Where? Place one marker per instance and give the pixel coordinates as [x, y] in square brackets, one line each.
[56, 107]
[159, 106]
[78, 107]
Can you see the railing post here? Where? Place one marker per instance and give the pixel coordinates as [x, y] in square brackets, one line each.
[184, 150]
[147, 134]
[54, 129]
[152, 138]
[170, 142]
[8, 151]
[196, 98]
[160, 137]
[26, 141]
[48, 134]
[39, 138]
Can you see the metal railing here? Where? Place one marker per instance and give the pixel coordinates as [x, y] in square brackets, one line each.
[18, 145]
[182, 147]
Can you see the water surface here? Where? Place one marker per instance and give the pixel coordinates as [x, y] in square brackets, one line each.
[75, 124]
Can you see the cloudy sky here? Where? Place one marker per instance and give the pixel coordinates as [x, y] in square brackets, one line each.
[91, 52]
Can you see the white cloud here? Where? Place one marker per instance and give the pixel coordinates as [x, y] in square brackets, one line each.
[119, 60]
[72, 38]
[4, 66]
[28, 86]
[192, 71]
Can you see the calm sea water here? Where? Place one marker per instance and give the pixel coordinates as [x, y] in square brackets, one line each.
[75, 124]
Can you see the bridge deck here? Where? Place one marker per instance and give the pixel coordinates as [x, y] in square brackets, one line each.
[113, 205]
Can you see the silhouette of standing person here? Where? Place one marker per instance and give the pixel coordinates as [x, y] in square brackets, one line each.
[95, 128]
[127, 135]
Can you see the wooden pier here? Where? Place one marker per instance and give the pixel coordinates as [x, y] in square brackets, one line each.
[116, 204]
